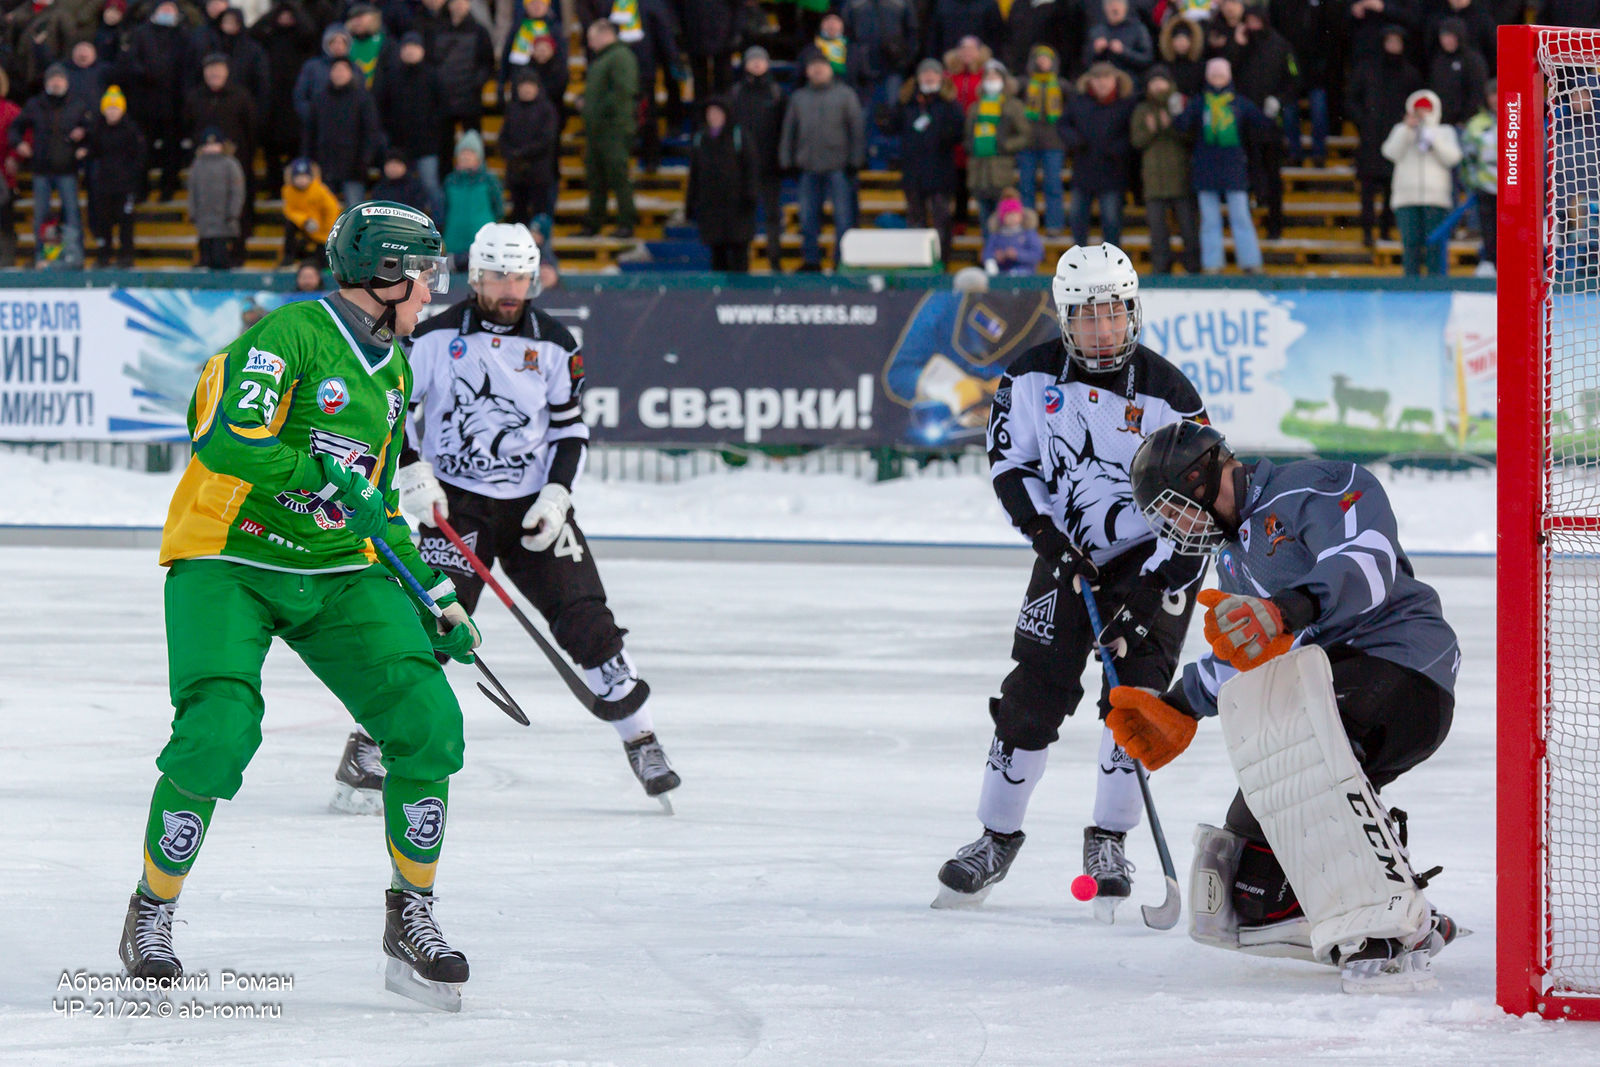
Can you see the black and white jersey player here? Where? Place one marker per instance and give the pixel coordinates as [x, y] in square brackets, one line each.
[1066, 420]
[1333, 671]
[496, 443]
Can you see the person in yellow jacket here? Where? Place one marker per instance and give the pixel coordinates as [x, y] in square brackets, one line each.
[309, 211]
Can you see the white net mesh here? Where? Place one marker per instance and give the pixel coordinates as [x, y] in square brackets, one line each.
[1571, 830]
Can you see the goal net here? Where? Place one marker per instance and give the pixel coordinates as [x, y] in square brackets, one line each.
[1548, 942]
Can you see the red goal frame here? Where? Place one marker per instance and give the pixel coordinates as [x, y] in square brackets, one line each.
[1522, 943]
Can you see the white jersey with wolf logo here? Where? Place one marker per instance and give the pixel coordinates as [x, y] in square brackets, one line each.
[494, 399]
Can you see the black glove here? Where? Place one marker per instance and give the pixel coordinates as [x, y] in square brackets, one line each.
[1057, 548]
[1130, 624]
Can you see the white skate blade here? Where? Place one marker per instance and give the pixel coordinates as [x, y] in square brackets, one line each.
[348, 800]
[953, 900]
[666, 804]
[441, 996]
[1105, 909]
[1411, 973]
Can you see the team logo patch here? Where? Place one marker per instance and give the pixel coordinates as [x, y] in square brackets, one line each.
[441, 553]
[575, 366]
[1227, 563]
[1094, 396]
[396, 403]
[1120, 762]
[1000, 759]
[426, 817]
[494, 342]
[264, 363]
[182, 838]
[458, 347]
[1273, 529]
[1002, 398]
[332, 396]
[1052, 400]
[1348, 501]
[1133, 419]
[1038, 619]
[530, 360]
[251, 527]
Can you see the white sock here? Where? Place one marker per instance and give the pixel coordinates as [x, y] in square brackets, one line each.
[613, 679]
[1008, 781]
[1117, 800]
[636, 725]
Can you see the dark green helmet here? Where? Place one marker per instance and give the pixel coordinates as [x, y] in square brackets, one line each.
[380, 243]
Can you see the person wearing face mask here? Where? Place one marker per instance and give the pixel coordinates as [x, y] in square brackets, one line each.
[996, 130]
[49, 133]
[155, 63]
[929, 124]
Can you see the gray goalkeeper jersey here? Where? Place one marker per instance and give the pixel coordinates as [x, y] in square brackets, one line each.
[1327, 529]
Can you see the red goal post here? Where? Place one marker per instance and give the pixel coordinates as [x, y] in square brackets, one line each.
[1548, 427]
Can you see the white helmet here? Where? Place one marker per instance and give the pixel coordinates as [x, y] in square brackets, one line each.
[1097, 274]
[507, 247]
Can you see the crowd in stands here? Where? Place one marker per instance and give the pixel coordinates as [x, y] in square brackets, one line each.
[1191, 107]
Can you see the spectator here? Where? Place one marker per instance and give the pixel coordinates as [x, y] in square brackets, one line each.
[1315, 32]
[87, 75]
[996, 130]
[951, 20]
[1096, 132]
[1456, 74]
[1424, 152]
[756, 107]
[965, 63]
[530, 141]
[400, 184]
[550, 64]
[930, 125]
[1119, 40]
[117, 156]
[155, 66]
[371, 49]
[1369, 24]
[721, 198]
[463, 53]
[308, 277]
[1058, 26]
[711, 32]
[343, 134]
[1044, 97]
[823, 138]
[538, 19]
[1584, 14]
[410, 107]
[313, 77]
[205, 38]
[216, 199]
[883, 36]
[111, 33]
[610, 88]
[287, 40]
[472, 198]
[309, 210]
[648, 29]
[835, 49]
[221, 103]
[1480, 169]
[48, 133]
[549, 263]
[1182, 48]
[1478, 26]
[247, 60]
[1164, 163]
[1013, 245]
[1265, 75]
[1378, 93]
[1218, 119]
[9, 167]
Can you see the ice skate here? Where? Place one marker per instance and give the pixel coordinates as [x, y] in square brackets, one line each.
[1104, 861]
[1385, 965]
[146, 947]
[422, 965]
[650, 766]
[358, 783]
[965, 880]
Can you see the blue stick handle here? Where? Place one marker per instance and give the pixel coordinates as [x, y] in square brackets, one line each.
[410, 579]
[1094, 620]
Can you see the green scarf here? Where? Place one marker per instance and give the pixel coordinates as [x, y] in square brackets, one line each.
[833, 51]
[364, 54]
[1221, 129]
[1042, 98]
[527, 33]
[986, 127]
[625, 16]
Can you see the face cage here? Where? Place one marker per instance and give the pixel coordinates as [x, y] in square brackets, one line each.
[1203, 537]
[475, 277]
[1101, 364]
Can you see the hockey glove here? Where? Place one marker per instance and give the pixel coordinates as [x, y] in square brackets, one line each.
[1245, 631]
[455, 634]
[1056, 548]
[1130, 624]
[420, 492]
[545, 519]
[359, 499]
[1147, 727]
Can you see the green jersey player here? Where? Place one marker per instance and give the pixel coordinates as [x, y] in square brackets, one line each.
[296, 429]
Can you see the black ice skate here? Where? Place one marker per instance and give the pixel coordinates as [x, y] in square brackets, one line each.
[146, 947]
[650, 766]
[358, 783]
[1390, 965]
[1104, 861]
[422, 965]
[965, 880]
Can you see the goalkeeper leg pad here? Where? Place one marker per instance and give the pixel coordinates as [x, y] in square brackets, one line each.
[1213, 919]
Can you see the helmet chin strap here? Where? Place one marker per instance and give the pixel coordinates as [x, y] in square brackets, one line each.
[1217, 459]
[383, 329]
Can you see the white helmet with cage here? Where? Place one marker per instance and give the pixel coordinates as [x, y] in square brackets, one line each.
[1096, 292]
[507, 248]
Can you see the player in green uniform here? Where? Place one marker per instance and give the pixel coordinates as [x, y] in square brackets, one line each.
[297, 429]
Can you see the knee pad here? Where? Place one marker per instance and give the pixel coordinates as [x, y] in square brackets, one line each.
[1030, 709]
[587, 631]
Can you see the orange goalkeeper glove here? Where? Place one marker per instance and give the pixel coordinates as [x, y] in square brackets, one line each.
[1147, 727]
[1245, 631]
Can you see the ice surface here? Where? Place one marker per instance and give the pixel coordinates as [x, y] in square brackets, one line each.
[830, 725]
